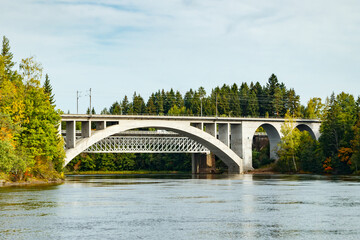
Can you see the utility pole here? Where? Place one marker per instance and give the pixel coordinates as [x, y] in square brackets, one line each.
[120, 108]
[77, 101]
[216, 105]
[90, 101]
[201, 107]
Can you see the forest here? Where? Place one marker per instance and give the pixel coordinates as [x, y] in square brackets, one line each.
[30, 146]
[245, 100]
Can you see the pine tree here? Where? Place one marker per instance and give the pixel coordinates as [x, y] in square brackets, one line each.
[115, 109]
[253, 107]
[7, 55]
[179, 100]
[270, 89]
[48, 89]
[188, 98]
[235, 107]
[244, 93]
[150, 106]
[196, 104]
[170, 100]
[277, 102]
[125, 105]
[138, 104]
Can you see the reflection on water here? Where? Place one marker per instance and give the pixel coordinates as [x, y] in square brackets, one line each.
[184, 207]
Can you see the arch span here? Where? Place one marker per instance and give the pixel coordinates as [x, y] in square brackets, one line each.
[229, 157]
[273, 136]
[304, 127]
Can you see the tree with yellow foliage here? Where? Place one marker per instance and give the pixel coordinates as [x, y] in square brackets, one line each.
[29, 141]
[289, 144]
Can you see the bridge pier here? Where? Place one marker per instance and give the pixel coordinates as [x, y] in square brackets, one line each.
[202, 163]
[100, 125]
[70, 134]
[210, 128]
[85, 129]
[224, 133]
[236, 140]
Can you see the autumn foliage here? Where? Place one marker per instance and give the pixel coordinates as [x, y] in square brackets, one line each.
[29, 143]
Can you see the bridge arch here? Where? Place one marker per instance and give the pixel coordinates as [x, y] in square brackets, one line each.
[229, 157]
[304, 127]
[273, 133]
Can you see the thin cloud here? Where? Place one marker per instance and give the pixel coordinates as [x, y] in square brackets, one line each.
[118, 47]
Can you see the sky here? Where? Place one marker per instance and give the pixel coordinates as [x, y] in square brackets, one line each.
[118, 47]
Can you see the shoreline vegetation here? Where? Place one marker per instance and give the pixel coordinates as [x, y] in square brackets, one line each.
[266, 170]
[30, 145]
[32, 151]
[123, 172]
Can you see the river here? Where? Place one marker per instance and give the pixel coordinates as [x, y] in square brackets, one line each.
[184, 207]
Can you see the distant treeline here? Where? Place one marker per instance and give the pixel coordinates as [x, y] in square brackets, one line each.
[272, 100]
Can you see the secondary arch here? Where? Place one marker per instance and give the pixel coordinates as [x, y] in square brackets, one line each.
[304, 127]
[273, 136]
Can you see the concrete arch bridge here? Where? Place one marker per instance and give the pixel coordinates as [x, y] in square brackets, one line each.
[228, 138]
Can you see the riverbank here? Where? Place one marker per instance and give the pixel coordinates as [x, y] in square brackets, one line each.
[266, 170]
[30, 182]
[122, 172]
[255, 171]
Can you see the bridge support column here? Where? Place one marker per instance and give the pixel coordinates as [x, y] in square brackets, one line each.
[100, 125]
[203, 163]
[70, 134]
[210, 128]
[236, 140]
[195, 166]
[247, 139]
[86, 129]
[241, 144]
[198, 125]
[224, 133]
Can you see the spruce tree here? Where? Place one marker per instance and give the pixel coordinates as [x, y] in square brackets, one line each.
[150, 106]
[48, 89]
[235, 107]
[179, 99]
[7, 55]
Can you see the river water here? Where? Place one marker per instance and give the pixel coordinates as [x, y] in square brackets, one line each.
[184, 207]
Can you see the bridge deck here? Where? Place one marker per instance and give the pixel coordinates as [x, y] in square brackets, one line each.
[109, 118]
